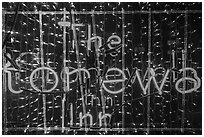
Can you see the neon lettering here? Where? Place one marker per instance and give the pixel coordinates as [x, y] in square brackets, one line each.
[8, 71]
[152, 77]
[114, 81]
[110, 78]
[99, 42]
[196, 81]
[156, 83]
[84, 116]
[114, 40]
[101, 117]
[43, 68]
[71, 114]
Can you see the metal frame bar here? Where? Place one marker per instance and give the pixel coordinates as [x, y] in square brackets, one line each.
[4, 82]
[43, 75]
[102, 129]
[149, 66]
[184, 60]
[123, 66]
[105, 12]
[64, 64]
[99, 88]
[79, 66]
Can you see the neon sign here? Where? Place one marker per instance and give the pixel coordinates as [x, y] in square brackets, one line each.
[109, 79]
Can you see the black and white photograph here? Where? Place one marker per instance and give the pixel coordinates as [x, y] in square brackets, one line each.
[101, 68]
